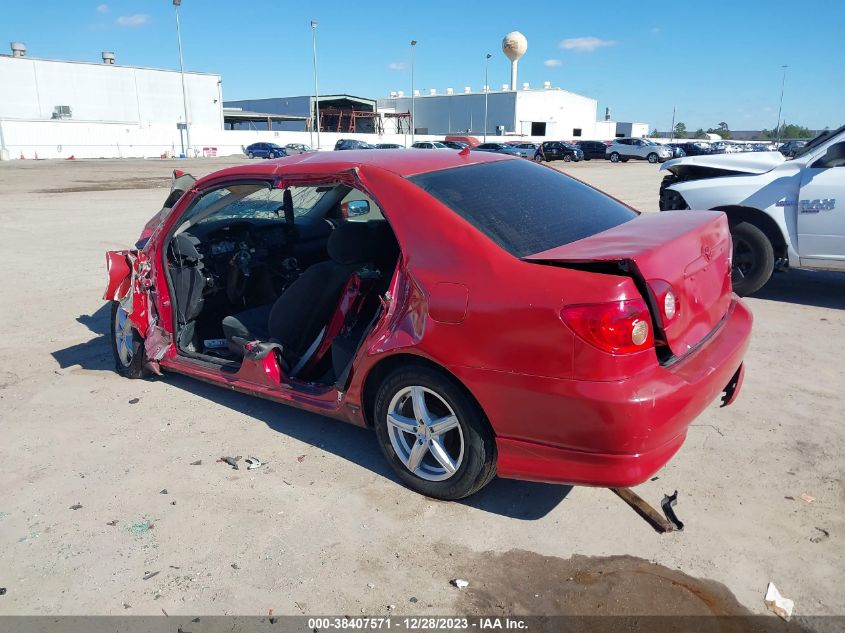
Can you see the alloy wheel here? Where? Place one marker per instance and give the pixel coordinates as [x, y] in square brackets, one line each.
[425, 433]
[124, 337]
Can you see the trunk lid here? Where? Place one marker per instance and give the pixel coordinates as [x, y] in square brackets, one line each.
[689, 250]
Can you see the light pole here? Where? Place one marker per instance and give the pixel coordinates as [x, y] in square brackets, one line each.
[413, 120]
[316, 91]
[780, 107]
[185, 150]
[486, 90]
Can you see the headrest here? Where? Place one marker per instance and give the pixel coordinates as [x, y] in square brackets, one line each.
[351, 243]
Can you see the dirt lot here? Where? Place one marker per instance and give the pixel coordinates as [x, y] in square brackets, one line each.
[325, 527]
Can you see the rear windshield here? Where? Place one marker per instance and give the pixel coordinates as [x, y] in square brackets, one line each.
[523, 207]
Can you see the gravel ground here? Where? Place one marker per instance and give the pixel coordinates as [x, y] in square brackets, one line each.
[324, 527]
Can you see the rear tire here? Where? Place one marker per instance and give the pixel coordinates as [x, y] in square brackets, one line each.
[615, 157]
[469, 444]
[127, 346]
[753, 259]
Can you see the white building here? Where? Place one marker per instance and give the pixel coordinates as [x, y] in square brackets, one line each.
[102, 103]
[545, 112]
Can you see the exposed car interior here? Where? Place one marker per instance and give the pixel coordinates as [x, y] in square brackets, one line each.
[294, 271]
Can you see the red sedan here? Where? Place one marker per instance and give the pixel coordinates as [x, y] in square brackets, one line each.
[484, 314]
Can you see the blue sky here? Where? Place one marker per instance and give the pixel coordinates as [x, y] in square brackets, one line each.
[715, 61]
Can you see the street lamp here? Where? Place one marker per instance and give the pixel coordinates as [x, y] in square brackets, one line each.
[176, 5]
[780, 107]
[413, 121]
[486, 91]
[316, 91]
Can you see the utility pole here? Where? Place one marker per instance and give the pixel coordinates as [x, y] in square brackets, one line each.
[780, 107]
[316, 90]
[413, 120]
[486, 91]
[672, 132]
[185, 150]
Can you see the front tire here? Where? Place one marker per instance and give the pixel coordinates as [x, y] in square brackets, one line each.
[567, 158]
[433, 435]
[653, 158]
[615, 157]
[126, 344]
[250, 155]
[753, 259]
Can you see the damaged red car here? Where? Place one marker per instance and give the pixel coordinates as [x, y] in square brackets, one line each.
[483, 314]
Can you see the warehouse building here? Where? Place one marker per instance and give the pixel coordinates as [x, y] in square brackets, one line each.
[545, 112]
[338, 113]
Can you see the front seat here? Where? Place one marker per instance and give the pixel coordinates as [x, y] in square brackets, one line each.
[298, 317]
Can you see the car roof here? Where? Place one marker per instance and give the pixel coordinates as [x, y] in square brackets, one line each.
[398, 161]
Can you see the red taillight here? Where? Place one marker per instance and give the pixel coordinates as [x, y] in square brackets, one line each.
[666, 300]
[620, 327]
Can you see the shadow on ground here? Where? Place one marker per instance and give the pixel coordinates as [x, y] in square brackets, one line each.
[95, 354]
[806, 287]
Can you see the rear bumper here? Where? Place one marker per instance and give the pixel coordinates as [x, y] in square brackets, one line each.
[608, 433]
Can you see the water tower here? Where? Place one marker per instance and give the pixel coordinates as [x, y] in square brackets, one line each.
[514, 46]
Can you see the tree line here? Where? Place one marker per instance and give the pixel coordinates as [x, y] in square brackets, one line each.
[784, 131]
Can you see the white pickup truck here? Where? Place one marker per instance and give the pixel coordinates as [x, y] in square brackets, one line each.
[782, 213]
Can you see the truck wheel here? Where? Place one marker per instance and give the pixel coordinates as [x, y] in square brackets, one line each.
[615, 157]
[753, 259]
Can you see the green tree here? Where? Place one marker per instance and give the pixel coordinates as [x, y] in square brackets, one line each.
[722, 130]
[699, 133]
[655, 133]
[680, 130]
[787, 131]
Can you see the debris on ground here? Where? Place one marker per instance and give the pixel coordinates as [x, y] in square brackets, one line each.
[135, 401]
[413, 600]
[459, 583]
[777, 604]
[197, 463]
[126, 605]
[270, 615]
[300, 458]
[112, 523]
[391, 607]
[163, 491]
[370, 585]
[822, 537]
[232, 461]
[668, 505]
[235, 566]
[173, 503]
[2, 591]
[140, 527]
[76, 506]
[252, 463]
[807, 498]
[150, 574]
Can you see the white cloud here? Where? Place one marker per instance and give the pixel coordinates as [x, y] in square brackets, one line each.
[585, 44]
[552, 63]
[396, 66]
[102, 8]
[139, 19]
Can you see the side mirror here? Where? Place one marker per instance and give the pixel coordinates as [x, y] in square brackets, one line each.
[355, 208]
[833, 157]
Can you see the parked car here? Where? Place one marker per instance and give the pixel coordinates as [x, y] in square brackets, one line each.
[388, 146]
[623, 149]
[559, 150]
[500, 148]
[455, 144]
[469, 140]
[677, 150]
[351, 143]
[265, 150]
[782, 214]
[288, 281]
[593, 149]
[695, 148]
[790, 148]
[429, 145]
[297, 148]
